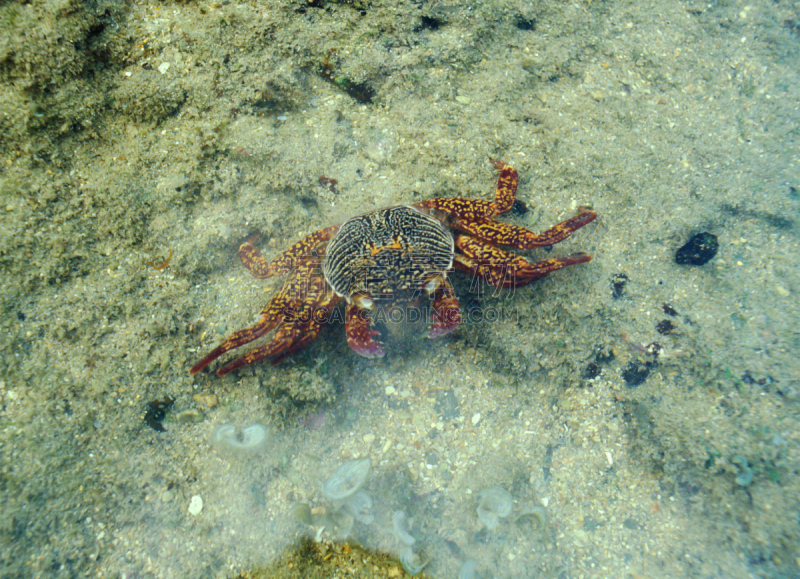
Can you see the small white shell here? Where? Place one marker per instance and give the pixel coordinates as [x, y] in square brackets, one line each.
[360, 505]
[468, 569]
[347, 480]
[496, 503]
[400, 528]
[252, 439]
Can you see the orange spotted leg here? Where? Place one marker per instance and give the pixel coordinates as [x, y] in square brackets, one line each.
[501, 268]
[298, 310]
[290, 337]
[239, 338]
[518, 237]
[286, 261]
[506, 192]
[477, 209]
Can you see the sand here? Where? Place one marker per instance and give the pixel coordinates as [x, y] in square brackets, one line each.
[136, 136]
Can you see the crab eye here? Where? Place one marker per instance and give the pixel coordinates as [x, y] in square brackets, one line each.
[364, 302]
[433, 284]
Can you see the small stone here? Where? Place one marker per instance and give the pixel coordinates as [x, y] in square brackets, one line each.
[369, 438]
[163, 67]
[190, 416]
[699, 250]
[782, 291]
[207, 399]
[462, 100]
[476, 418]
[195, 505]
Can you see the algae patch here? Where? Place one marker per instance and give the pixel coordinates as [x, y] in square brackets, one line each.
[310, 560]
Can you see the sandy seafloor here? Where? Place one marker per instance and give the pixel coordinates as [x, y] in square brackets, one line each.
[132, 131]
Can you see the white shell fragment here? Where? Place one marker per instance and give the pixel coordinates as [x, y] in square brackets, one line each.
[195, 505]
[360, 504]
[411, 562]
[401, 529]
[249, 441]
[347, 480]
[496, 503]
[468, 569]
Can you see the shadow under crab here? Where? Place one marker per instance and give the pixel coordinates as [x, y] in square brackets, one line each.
[389, 258]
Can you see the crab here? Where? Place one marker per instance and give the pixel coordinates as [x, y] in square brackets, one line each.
[390, 258]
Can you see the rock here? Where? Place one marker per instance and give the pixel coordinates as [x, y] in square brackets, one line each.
[195, 505]
[207, 399]
[699, 250]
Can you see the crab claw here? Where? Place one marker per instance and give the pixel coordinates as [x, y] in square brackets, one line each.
[446, 311]
[360, 332]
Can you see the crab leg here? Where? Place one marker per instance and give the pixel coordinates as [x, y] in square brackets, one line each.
[291, 336]
[239, 338]
[298, 310]
[499, 233]
[476, 209]
[501, 268]
[360, 332]
[474, 216]
[286, 261]
[506, 191]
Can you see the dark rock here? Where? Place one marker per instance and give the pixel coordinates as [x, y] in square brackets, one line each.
[618, 282]
[636, 373]
[664, 327]
[669, 310]
[698, 250]
[592, 371]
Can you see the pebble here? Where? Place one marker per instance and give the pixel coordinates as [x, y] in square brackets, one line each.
[369, 438]
[476, 418]
[195, 505]
[699, 250]
[206, 399]
[190, 416]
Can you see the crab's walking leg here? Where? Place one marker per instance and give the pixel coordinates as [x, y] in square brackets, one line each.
[239, 338]
[446, 311]
[499, 233]
[360, 333]
[501, 268]
[286, 261]
[298, 310]
[294, 333]
[506, 192]
[478, 209]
